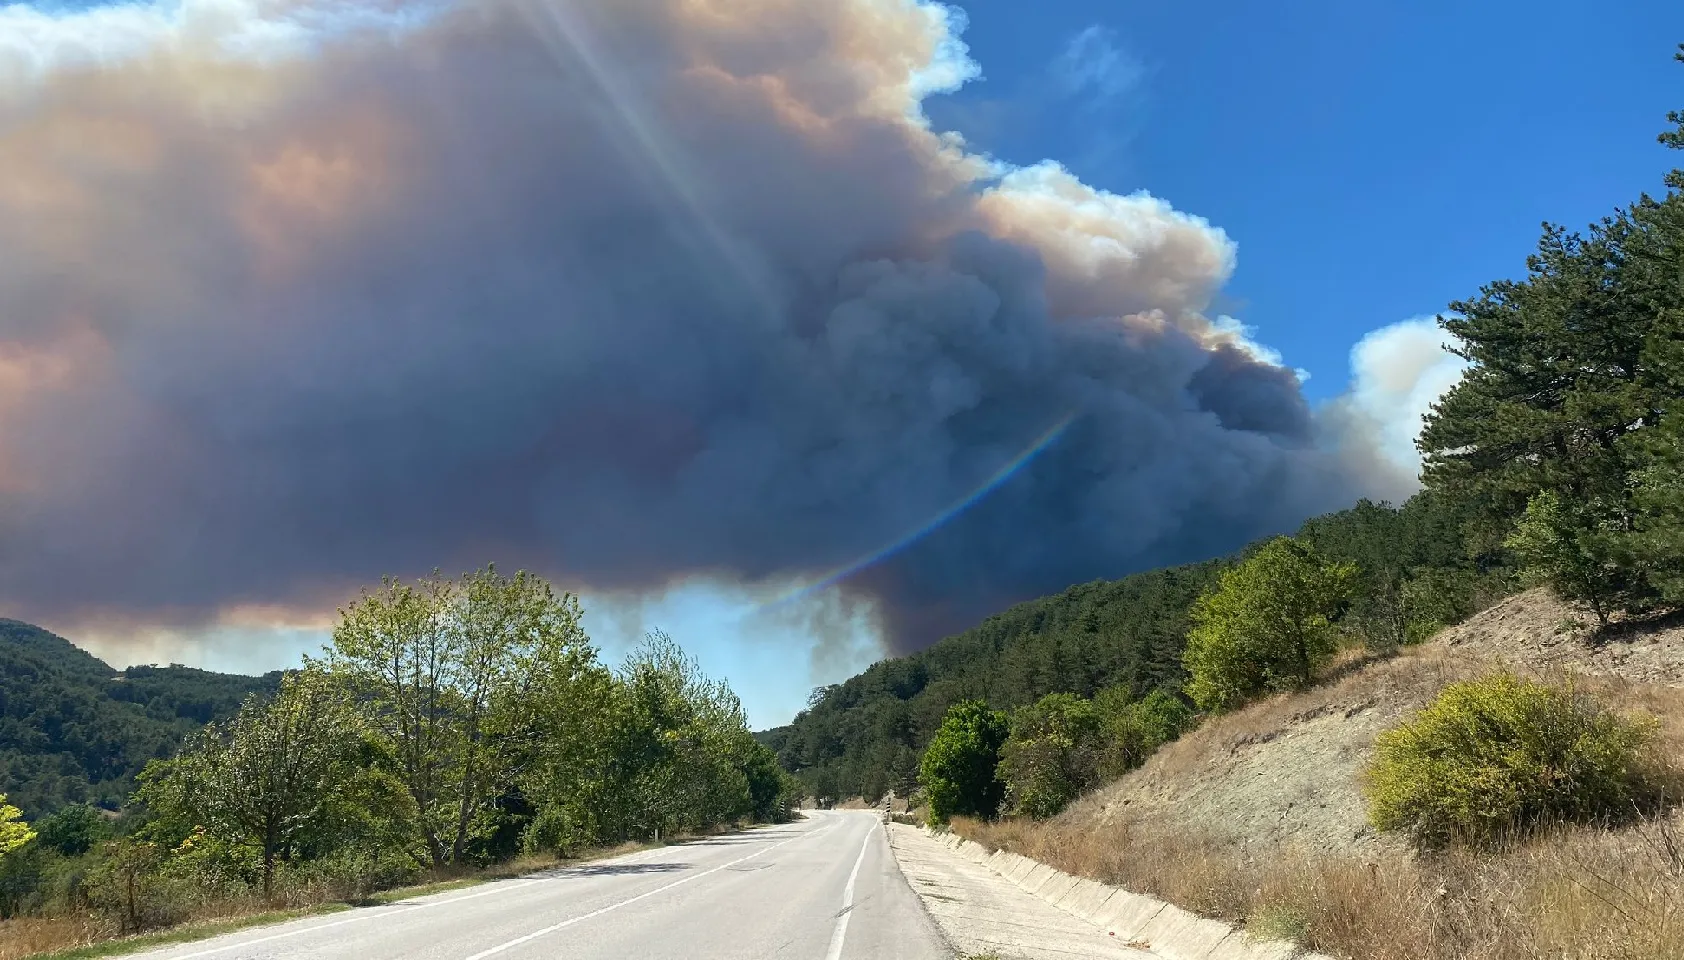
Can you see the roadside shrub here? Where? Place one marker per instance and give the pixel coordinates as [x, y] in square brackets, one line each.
[1498, 756]
[1133, 730]
[555, 829]
[127, 887]
[73, 830]
[958, 770]
[352, 874]
[1051, 756]
[1268, 625]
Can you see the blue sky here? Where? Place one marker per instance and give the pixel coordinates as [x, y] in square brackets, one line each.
[1373, 161]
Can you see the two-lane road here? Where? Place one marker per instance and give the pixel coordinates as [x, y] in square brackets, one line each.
[825, 888]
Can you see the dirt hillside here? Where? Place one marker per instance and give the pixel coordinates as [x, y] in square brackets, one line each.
[1536, 630]
[1284, 772]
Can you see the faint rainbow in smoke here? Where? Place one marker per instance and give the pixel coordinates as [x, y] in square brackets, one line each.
[988, 486]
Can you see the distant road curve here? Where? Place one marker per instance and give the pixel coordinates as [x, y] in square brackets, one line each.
[825, 888]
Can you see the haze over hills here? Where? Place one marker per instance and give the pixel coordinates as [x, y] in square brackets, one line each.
[75, 730]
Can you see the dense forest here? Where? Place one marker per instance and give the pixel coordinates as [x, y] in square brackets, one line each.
[75, 731]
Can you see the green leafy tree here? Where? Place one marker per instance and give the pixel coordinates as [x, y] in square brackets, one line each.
[1132, 730]
[14, 833]
[265, 777]
[1395, 609]
[959, 769]
[656, 746]
[1573, 550]
[579, 763]
[1051, 756]
[1658, 488]
[687, 740]
[452, 675]
[1267, 626]
[72, 831]
[770, 789]
[1659, 495]
[1556, 380]
[125, 880]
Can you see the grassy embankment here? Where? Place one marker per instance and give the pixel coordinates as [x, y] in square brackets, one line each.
[1297, 861]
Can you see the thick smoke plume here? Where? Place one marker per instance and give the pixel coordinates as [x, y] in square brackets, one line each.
[627, 291]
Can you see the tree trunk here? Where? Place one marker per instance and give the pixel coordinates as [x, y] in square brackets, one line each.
[1301, 650]
[270, 842]
[464, 812]
[133, 909]
[435, 848]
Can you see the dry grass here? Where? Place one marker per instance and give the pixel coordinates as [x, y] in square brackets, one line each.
[1576, 894]
[1406, 679]
[26, 936]
[1241, 775]
[94, 935]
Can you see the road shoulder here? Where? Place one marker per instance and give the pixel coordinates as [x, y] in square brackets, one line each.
[981, 913]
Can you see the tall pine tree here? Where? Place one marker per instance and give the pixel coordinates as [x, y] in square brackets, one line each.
[1555, 439]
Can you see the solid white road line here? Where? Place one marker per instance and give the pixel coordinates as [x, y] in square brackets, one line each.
[493, 951]
[840, 934]
[404, 908]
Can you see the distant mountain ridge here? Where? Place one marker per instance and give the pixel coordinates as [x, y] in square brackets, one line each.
[73, 729]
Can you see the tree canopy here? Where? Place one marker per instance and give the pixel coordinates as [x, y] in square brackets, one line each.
[959, 770]
[1267, 626]
[1563, 437]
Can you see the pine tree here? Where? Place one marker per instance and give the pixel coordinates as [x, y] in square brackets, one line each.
[1575, 377]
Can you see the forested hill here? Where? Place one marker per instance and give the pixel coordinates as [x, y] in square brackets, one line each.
[75, 730]
[864, 736]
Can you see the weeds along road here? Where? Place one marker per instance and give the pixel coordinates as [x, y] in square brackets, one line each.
[825, 888]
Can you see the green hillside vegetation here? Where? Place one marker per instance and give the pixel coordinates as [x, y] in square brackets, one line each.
[75, 731]
[1123, 639]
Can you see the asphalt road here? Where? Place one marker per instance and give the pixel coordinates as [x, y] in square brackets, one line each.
[825, 888]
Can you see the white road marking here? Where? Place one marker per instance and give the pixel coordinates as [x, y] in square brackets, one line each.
[401, 908]
[841, 932]
[534, 935]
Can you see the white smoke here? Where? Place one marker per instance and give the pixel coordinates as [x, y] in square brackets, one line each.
[1397, 373]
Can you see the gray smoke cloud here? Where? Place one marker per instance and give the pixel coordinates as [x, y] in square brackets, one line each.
[293, 294]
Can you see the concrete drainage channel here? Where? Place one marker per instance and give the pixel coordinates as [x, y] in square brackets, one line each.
[1143, 923]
